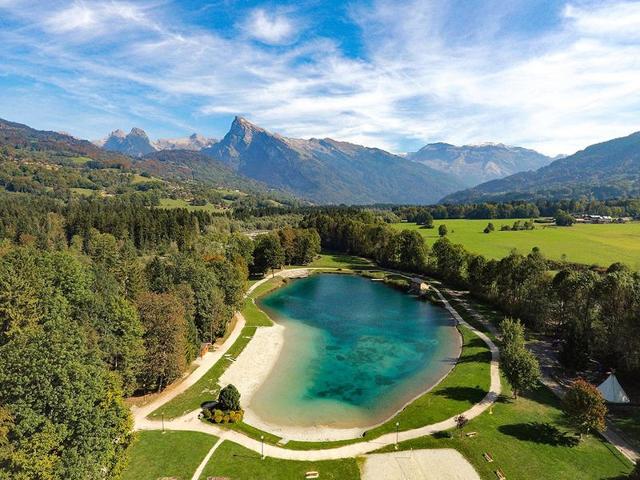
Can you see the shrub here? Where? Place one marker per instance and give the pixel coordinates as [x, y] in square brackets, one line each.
[229, 398]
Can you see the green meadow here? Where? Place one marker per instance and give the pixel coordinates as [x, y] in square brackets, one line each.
[179, 203]
[584, 243]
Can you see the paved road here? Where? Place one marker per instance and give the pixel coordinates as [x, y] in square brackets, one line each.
[191, 422]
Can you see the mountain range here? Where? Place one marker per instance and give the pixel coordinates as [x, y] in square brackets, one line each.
[328, 171]
[474, 164]
[609, 169]
[333, 172]
[136, 143]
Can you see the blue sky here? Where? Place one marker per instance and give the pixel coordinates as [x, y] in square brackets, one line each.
[550, 75]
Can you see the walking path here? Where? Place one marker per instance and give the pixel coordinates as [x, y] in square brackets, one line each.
[205, 460]
[204, 364]
[191, 422]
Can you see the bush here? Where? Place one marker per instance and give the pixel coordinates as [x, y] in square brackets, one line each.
[219, 416]
[229, 398]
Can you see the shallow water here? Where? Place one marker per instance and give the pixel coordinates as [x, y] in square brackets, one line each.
[355, 352]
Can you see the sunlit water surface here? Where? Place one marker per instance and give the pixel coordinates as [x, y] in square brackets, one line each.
[355, 352]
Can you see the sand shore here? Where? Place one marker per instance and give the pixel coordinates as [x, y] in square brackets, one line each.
[252, 368]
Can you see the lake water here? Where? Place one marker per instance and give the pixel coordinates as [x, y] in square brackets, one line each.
[355, 352]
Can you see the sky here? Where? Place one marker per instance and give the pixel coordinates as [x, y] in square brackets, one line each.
[551, 75]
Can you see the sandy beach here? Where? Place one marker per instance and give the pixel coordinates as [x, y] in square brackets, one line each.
[251, 369]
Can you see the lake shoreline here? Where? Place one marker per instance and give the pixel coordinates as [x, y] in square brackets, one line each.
[260, 359]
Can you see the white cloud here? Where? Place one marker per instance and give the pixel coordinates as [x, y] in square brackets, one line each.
[95, 18]
[559, 91]
[270, 28]
[621, 20]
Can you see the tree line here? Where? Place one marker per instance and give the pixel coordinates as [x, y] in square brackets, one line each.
[593, 314]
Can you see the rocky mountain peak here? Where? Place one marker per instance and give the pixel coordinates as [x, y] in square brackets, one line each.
[138, 132]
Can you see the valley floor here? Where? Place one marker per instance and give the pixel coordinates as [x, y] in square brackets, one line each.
[581, 243]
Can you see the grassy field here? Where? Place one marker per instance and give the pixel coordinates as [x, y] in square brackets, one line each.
[528, 440]
[179, 203]
[236, 462]
[589, 244]
[338, 260]
[171, 454]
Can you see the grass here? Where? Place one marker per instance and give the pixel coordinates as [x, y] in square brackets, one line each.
[171, 454]
[137, 178]
[206, 389]
[234, 461]
[528, 440]
[338, 260]
[581, 243]
[169, 203]
[627, 419]
[80, 160]
[253, 315]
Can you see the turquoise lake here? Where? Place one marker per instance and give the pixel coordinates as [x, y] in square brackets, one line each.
[355, 352]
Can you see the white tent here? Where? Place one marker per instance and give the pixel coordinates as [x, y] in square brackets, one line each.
[612, 391]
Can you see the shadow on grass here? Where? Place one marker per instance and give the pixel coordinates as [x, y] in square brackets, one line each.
[538, 432]
[480, 357]
[470, 394]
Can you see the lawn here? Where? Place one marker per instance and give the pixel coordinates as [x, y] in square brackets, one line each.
[169, 203]
[171, 454]
[338, 260]
[627, 419]
[528, 440]
[585, 243]
[236, 462]
[137, 178]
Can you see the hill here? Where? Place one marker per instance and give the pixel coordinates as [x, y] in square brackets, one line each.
[609, 169]
[22, 137]
[474, 164]
[328, 171]
[190, 165]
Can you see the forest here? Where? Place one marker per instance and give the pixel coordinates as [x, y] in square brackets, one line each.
[101, 299]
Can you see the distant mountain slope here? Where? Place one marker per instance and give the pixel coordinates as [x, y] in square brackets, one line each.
[474, 164]
[193, 142]
[328, 171]
[605, 170]
[135, 143]
[189, 165]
